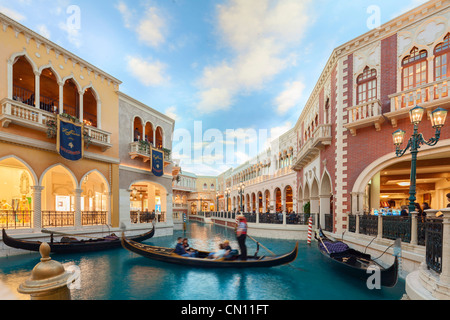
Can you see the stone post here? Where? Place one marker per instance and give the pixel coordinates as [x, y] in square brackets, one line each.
[380, 227]
[78, 193]
[414, 235]
[445, 275]
[358, 215]
[37, 207]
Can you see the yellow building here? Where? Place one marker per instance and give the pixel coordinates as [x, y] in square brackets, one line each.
[40, 189]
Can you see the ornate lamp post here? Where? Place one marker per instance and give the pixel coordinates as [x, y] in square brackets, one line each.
[438, 118]
[241, 189]
[227, 194]
[217, 201]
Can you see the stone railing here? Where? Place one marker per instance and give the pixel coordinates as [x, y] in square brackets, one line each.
[12, 111]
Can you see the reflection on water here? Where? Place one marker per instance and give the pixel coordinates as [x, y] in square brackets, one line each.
[121, 275]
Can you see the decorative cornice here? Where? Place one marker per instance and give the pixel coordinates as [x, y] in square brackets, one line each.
[29, 34]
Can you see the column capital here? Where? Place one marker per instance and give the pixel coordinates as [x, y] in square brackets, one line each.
[37, 188]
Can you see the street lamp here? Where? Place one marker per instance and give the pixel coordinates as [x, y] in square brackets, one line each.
[227, 194]
[217, 198]
[438, 118]
[241, 189]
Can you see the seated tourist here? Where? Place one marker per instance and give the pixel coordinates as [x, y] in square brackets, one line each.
[179, 250]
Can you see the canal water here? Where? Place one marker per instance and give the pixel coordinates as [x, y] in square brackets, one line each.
[121, 275]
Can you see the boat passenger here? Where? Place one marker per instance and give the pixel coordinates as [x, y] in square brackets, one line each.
[219, 254]
[179, 250]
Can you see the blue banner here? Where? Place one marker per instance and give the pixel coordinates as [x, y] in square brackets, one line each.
[70, 140]
[157, 163]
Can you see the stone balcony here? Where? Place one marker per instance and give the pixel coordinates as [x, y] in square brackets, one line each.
[319, 140]
[428, 96]
[365, 115]
[17, 113]
[142, 151]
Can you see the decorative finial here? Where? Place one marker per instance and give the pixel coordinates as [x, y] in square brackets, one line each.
[44, 250]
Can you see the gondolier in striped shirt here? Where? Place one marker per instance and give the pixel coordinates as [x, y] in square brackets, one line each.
[241, 234]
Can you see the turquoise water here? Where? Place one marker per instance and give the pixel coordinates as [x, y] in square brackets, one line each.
[121, 275]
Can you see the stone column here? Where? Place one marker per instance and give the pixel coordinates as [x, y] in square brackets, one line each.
[37, 207]
[414, 236]
[358, 215]
[37, 90]
[78, 193]
[61, 97]
[380, 227]
[445, 275]
[124, 208]
[81, 115]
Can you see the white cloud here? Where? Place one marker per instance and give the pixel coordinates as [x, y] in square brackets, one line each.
[43, 31]
[149, 73]
[12, 14]
[150, 29]
[290, 97]
[260, 34]
[73, 34]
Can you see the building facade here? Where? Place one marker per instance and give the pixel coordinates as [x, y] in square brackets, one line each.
[40, 81]
[346, 159]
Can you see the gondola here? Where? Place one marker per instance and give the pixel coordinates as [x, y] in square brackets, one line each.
[355, 262]
[167, 255]
[71, 245]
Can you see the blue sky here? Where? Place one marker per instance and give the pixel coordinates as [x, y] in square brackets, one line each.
[231, 64]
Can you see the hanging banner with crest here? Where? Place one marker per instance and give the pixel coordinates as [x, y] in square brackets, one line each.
[157, 162]
[70, 139]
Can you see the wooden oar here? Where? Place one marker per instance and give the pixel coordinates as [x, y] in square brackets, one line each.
[262, 245]
[320, 238]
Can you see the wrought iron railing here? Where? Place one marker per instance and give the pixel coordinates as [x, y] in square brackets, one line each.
[251, 217]
[395, 227]
[368, 225]
[434, 244]
[352, 223]
[270, 218]
[14, 219]
[298, 218]
[328, 223]
[58, 219]
[94, 218]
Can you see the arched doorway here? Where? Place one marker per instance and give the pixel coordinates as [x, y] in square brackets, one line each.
[326, 197]
[267, 201]
[148, 201]
[289, 199]
[24, 81]
[49, 91]
[58, 197]
[159, 138]
[90, 104]
[260, 202]
[94, 199]
[71, 98]
[278, 201]
[16, 200]
[137, 129]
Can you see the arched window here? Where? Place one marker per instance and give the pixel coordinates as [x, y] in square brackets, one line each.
[205, 187]
[367, 86]
[441, 61]
[414, 69]
[159, 138]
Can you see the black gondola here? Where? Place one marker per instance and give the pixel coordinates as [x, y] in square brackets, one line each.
[355, 262]
[70, 245]
[168, 255]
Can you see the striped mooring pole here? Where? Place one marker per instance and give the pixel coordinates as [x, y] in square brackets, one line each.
[310, 230]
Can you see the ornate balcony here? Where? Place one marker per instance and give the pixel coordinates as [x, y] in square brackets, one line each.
[319, 140]
[142, 150]
[428, 96]
[365, 115]
[15, 112]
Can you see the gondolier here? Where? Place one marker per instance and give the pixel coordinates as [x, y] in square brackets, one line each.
[241, 235]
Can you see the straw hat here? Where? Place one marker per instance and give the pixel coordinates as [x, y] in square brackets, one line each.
[240, 217]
